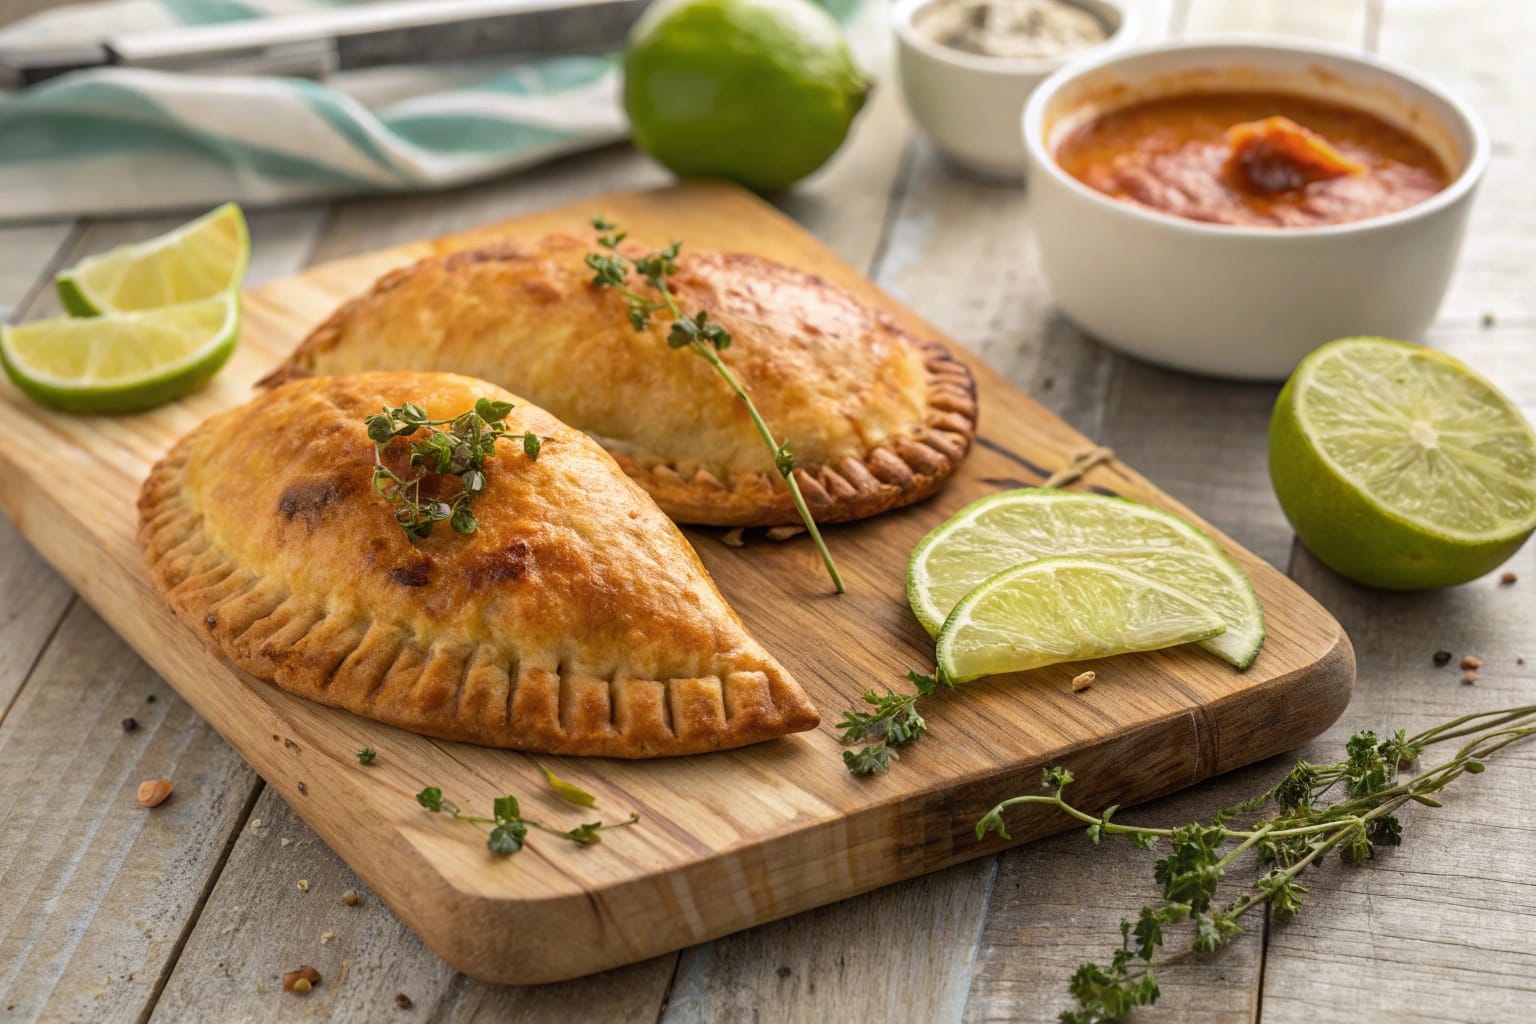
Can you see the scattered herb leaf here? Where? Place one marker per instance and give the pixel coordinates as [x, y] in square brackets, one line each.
[894, 721]
[705, 337]
[1302, 828]
[568, 791]
[508, 828]
[366, 755]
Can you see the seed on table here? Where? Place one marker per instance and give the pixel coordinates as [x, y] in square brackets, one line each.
[1468, 677]
[1509, 579]
[402, 1000]
[154, 792]
[301, 980]
[349, 897]
[1471, 661]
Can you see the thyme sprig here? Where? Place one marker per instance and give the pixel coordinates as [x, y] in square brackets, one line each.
[894, 721]
[460, 450]
[700, 334]
[508, 827]
[1362, 819]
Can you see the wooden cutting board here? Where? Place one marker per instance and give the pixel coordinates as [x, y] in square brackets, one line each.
[726, 840]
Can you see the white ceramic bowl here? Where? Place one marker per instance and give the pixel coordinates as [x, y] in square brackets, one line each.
[1246, 302]
[969, 105]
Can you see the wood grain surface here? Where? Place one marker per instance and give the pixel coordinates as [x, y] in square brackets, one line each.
[732, 839]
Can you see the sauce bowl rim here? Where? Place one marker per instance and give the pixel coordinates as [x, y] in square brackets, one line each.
[1228, 50]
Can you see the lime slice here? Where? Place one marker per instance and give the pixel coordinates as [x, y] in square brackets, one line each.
[124, 362]
[196, 261]
[1399, 466]
[1003, 530]
[1065, 609]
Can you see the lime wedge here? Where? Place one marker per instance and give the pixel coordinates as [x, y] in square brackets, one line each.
[1003, 530]
[1399, 466]
[123, 362]
[195, 261]
[1065, 609]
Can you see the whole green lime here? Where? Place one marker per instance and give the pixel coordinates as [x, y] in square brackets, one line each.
[759, 92]
[1400, 467]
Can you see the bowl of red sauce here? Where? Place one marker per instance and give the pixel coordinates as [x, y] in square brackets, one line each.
[1225, 208]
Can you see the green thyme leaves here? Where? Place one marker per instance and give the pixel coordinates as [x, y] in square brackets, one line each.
[893, 722]
[508, 829]
[460, 450]
[700, 334]
[1348, 807]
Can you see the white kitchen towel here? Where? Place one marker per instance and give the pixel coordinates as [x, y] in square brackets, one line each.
[116, 140]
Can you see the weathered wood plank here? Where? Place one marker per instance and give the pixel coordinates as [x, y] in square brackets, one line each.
[1442, 924]
[32, 597]
[258, 924]
[107, 889]
[1340, 22]
[100, 890]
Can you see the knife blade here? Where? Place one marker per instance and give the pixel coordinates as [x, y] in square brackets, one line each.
[318, 43]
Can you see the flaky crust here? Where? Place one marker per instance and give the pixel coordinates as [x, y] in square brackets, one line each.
[575, 620]
[876, 418]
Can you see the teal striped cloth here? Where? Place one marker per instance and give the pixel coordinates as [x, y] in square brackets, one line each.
[115, 140]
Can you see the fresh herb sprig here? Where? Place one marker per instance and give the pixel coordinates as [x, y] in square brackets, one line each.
[509, 829]
[460, 450]
[1303, 828]
[894, 721]
[703, 336]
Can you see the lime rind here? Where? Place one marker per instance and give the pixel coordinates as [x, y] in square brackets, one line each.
[1055, 610]
[1148, 540]
[1475, 481]
[93, 286]
[90, 341]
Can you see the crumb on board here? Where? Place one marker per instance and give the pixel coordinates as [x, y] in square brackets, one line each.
[1509, 579]
[349, 897]
[784, 532]
[301, 980]
[732, 538]
[1083, 680]
[255, 824]
[326, 937]
[154, 792]
[1471, 662]
[403, 1001]
[303, 788]
[285, 841]
[1468, 677]
[130, 724]
[303, 885]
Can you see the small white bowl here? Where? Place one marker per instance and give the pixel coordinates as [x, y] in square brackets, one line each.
[1246, 302]
[969, 104]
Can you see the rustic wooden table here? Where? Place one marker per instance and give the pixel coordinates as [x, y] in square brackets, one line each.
[193, 912]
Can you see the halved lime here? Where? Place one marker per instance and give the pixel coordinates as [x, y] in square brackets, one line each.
[1065, 609]
[195, 261]
[1003, 530]
[123, 362]
[1399, 466]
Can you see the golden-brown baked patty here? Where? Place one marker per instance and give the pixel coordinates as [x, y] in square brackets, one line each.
[876, 418]
[576, 619]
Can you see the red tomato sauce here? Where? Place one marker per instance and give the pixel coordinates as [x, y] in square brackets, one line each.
[1253, 158]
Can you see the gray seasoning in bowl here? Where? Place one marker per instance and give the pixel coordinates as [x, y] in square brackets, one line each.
[1012, 29]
